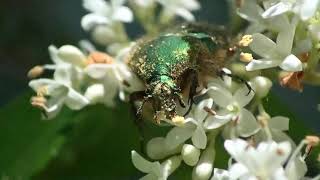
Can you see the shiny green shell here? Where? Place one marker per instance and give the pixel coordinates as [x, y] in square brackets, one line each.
[169, 57]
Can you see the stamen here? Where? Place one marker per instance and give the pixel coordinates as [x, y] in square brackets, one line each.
[178, 120]
[42, 91]
[245, 41]
[239, 3]
[35, 72]
[39, 102]
[210, 111]
[312, 140]
[99, 58]
[246, 57]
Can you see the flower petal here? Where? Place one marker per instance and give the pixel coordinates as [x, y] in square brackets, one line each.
[291, 63]
[214, 122]
[242, 97]
[170, 165]
[285, 40]
[199, 113]
[89, 21]
[178, 135]
[247, 124]
[98, 71]
[75, 100]
[279, 123]
[262, 45]
[199, 138]
[123, 14]
[143, 165]
[277, 9]
[184, 13]
[262, 64]
[97, 6]
[237, 171]
[308, 9]
[220, 95]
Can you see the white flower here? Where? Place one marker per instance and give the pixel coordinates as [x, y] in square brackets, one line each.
[232, 108]
[190, 154]
[104, 12]
[252, 12]
[64, 88]
[304, 8]
[155, 170]
[275, 53]
[180, 7]
[203, 170]
[113, 77]
[59, 93]
[193, 128]
[263, 162]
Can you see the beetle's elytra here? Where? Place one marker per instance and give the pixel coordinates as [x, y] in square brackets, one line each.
[177, 62]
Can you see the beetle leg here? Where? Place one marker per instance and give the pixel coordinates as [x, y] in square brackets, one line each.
[193, 89]
[135, 96]
[237, 79]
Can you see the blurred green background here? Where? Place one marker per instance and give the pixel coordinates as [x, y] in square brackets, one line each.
[96, 142]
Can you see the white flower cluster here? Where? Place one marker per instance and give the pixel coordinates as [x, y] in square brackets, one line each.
[285, 34]
[282, 33]
[88, 77]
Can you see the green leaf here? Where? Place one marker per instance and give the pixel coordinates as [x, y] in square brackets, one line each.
[27, 142]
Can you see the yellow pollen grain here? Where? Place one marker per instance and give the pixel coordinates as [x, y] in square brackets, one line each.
[246, 57]
[35, 72]
[312, 140]
[178, 120]
[245, 41]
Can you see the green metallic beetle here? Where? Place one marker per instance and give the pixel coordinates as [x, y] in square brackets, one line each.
[174, 64]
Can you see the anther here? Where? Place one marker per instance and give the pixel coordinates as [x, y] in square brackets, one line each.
[210, 111]
[245, 41]
[246, 57]
[35, 72]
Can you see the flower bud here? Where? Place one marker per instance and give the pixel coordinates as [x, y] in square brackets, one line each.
[104, 35]
[203, 170]
[72, 55]
[261, 85]
[95, 93]
[156, 148]
[170, 165]
[190, 154]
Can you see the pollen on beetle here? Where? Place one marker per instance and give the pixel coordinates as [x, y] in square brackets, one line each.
[99, 58]
[178, 120]
[246, 57]
[245, 41]
[312, 140]
[35, 72]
